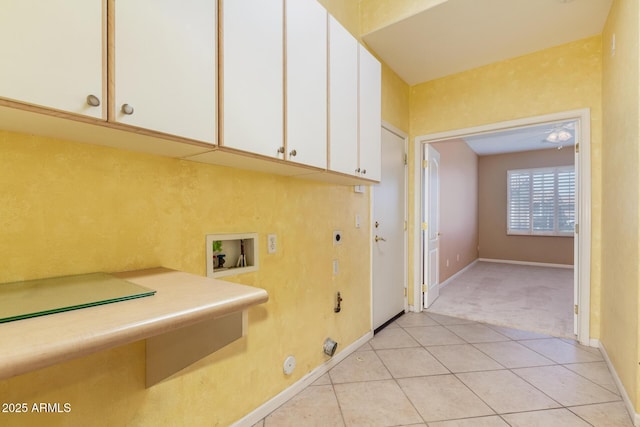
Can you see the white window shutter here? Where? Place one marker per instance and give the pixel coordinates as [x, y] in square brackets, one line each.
[541, 201]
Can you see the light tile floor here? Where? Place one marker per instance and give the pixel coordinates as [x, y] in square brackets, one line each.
[438, 371]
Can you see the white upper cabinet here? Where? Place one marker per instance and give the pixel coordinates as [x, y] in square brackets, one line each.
[53, 54]
[252, 76]
[370, 115]
[343, 99]
[306, 91]
[165, 66]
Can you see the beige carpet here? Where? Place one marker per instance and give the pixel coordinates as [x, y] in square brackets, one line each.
[537, 299]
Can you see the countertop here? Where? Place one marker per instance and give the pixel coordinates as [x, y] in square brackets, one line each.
[182, 299]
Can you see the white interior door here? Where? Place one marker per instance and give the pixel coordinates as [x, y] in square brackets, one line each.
[576, 239]
[431, 225]
[388, 232]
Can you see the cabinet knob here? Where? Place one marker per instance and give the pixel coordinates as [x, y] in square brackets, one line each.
[127, 109]
[93, 100]
[293, 153]
[358, 170]
[364, 171]
[281, 150]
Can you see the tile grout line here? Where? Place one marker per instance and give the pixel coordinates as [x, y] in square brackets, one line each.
[419, 345]
[335, 395]
[509, 339]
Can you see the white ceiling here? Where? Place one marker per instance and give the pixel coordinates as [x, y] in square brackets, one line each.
[527, 138]
[459, 35]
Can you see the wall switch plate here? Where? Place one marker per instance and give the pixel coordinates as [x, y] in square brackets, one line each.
[357, 221]
[272, 243]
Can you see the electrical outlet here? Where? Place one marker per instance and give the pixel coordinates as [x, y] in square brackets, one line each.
[272, 243]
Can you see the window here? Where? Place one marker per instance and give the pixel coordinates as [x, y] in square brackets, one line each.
[541, 201]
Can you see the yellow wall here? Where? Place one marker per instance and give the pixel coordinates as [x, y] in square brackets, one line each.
[376, 14]
[620, 198]
[395, 99]
[558, 79]
[69, 208]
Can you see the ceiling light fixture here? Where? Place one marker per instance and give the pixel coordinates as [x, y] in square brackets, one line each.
[559, 136]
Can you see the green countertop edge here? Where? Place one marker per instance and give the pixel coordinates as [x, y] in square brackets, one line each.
[75, 307]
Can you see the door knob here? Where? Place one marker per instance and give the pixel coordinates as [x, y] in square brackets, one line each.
[378, 238]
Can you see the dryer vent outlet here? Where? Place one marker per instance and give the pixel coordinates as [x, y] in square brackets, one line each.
[329, 347]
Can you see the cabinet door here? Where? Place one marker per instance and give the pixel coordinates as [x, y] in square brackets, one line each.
[343, 99]
[165, 66]
[370, 115]
[306, 111]
[252, 63]
[52, 53]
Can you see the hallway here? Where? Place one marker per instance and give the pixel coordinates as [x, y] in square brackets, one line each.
[439, 371]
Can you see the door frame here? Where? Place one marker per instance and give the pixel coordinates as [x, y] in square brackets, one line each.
[405, 255]
[583, 258]
[429, 156]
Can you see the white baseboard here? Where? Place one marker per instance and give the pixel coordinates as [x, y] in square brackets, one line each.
[452, 278]
[635, 417]
[281, 398]
[536, 264]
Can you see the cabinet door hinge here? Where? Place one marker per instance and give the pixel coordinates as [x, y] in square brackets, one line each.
[424, 288]
[577, 228]
[406, 159]
[405, 292]
[575, 308]
[405, 226]
[424, 226]
[425, 164]
[577, 147]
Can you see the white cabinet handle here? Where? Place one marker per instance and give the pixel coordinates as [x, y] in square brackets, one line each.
[293, 153]
[93, 100]
[127, 109]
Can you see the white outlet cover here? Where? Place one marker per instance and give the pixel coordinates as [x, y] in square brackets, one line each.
[272, 243]
[289, 365]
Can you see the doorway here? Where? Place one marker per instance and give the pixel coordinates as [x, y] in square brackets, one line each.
[582, 206]
[389, 284]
